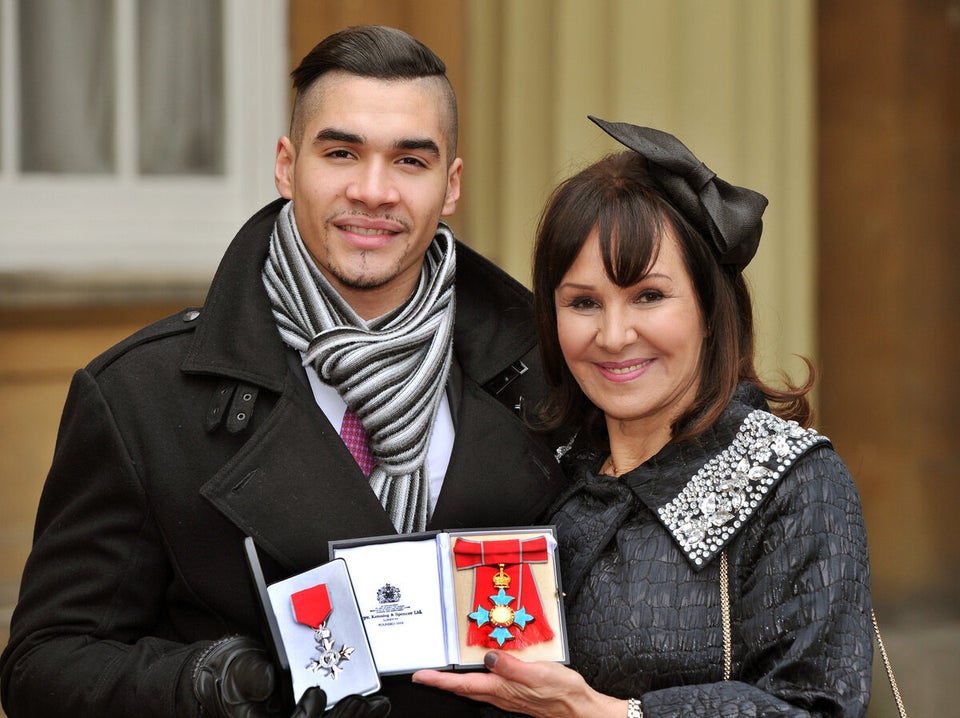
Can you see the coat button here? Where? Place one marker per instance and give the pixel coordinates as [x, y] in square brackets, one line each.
[190, 315]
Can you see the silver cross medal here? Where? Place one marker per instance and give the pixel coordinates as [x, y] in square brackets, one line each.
[328, 658]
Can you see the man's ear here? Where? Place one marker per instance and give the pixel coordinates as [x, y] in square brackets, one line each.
[283, 167]
[453, 188]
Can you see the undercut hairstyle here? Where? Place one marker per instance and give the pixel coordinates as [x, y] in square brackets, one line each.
[377, 52]
[619, 198]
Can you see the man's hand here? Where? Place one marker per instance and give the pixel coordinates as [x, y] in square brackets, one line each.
[234, 678]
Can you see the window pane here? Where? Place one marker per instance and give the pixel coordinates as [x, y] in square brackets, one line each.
[181, 86]
[67, 86]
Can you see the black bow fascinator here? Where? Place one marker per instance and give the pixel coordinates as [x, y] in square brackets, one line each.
[727, 215]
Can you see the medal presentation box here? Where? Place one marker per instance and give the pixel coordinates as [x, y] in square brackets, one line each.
[443, 599]
[316, 629]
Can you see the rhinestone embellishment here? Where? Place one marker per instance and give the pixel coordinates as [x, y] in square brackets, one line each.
[730, 486]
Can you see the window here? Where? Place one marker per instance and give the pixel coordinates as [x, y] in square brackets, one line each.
[135, 135]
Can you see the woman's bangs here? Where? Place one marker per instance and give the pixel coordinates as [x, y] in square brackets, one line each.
[630, 234]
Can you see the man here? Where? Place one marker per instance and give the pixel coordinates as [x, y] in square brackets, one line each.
[346, 302]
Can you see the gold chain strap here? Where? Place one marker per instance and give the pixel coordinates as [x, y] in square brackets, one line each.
[725, 606]
[888, 667]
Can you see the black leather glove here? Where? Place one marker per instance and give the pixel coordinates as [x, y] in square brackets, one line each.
[235, 678]
[357, 707]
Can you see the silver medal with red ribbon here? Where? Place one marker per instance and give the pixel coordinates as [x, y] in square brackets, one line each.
[311, 607]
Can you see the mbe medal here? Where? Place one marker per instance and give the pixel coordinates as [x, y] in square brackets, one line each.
[311, 607]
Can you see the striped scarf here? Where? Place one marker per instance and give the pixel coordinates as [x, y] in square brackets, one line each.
[391, 371]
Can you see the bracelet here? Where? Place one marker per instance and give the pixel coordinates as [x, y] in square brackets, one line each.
[633, 708]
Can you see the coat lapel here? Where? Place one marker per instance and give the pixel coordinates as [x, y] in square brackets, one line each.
[294, 486]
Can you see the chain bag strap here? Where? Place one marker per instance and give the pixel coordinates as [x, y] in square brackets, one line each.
[725, 607]
[888, 667]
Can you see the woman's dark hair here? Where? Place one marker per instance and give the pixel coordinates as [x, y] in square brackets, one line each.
[375, 51]
[618, 197]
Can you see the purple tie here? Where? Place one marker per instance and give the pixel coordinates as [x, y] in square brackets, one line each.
[355, 437]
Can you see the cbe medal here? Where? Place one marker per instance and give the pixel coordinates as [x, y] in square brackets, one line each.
[511, 620]
[502, 616]
[311, 607]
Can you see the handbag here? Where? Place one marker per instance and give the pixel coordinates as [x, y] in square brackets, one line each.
[728, 637]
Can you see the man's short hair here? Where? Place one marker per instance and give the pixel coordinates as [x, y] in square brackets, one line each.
[377, 52]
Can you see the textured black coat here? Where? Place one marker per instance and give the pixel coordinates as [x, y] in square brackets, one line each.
[200, 430]
[641, 568]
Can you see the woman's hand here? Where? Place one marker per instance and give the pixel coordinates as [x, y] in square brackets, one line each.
[540, 688]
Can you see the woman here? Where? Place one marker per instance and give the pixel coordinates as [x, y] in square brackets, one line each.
[712, 549]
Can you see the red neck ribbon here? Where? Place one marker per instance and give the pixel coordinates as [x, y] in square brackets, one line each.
[485, 557]
[470, 554]
[311, 605]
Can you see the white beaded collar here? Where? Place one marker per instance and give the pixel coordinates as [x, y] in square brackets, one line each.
[731, 485]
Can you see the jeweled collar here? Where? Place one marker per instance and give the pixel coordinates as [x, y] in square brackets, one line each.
[731, 485]
[704, 491]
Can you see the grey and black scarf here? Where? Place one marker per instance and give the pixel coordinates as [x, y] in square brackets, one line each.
[391, 371]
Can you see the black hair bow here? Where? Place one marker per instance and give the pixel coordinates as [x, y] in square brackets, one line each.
[727, 215]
